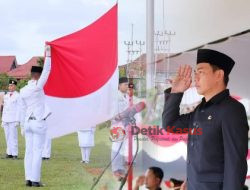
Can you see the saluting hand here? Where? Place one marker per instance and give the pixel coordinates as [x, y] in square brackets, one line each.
[183, 79]
[184, 185]
[139, 182]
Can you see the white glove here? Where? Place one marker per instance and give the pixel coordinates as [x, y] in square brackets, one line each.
[47, 51]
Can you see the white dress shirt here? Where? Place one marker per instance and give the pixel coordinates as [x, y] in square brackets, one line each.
[32, 97]
[11, 107]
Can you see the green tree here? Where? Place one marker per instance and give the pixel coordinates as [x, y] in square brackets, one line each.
[40, 61]
[4, 81]
[21, 83]
[122, 71]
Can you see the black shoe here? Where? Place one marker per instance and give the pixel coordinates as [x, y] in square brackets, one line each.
[15, 157]
[8, 156]
[37, 184]
[28, 183]
[44, 158]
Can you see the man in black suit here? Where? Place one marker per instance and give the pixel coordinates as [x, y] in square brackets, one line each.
[217, 128]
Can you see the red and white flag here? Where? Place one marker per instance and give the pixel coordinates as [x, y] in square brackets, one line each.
[81, 90]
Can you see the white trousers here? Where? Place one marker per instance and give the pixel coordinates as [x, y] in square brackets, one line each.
[47, 148]
[11, 137]
[85, 153]
[35, 132]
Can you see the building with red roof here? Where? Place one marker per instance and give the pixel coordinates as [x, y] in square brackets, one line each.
[23, 71]
[7, 63]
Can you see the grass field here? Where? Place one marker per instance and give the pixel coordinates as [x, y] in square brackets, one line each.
[64, 170]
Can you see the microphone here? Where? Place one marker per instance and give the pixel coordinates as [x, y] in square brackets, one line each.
[130, 112]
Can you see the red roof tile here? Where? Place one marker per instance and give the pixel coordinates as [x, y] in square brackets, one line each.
[138, 66]
[23, 71]
[7, 63]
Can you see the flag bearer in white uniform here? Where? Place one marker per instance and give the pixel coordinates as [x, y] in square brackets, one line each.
[118, 163]
[33, 118]
[86, 138]
[10, 120]
[119, 153]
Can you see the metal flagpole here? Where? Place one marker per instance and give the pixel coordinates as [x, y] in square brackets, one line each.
[150, 44]
[130, 139]
[131, 93]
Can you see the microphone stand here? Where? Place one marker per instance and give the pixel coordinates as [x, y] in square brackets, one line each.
[129, 124]
[132, 122]
[97, 180]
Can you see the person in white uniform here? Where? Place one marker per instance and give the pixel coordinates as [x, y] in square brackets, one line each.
[10, 120]
[86, 139]
[47, 148]
[33, 118]
[119, 153]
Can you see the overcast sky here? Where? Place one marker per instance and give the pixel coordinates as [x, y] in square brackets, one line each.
[25, 25]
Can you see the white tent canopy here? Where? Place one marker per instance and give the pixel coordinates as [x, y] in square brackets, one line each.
[197, 22]
[237, 47]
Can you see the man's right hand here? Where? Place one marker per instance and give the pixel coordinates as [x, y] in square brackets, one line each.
[184, 185]
[183, 79]
[139, 182]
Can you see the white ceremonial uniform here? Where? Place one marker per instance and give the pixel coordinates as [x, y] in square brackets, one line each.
[120, 149]
[86, 139]
[33, 118]
[10, 121]
[47, 148]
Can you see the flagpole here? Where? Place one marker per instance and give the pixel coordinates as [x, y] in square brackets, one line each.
[130, 139]
[149, 45]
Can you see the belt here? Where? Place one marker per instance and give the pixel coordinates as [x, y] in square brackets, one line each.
[33, 118]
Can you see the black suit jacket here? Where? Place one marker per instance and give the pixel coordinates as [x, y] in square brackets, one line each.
[217, 140]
